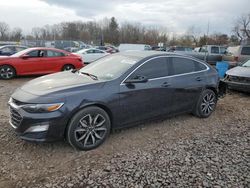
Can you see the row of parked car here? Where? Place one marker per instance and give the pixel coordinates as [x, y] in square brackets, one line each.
[20, 60]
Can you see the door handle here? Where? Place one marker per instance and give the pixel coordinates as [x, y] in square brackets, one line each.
[198, 78]
[165, 84]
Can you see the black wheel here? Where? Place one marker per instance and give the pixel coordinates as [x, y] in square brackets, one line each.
[206, 104]
[7, 72]
[68, 67]
[89, 128]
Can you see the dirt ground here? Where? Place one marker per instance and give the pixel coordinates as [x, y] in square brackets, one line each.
[182, 151]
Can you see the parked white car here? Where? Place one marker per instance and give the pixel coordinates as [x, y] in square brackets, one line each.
[90, 55]
[126, 47]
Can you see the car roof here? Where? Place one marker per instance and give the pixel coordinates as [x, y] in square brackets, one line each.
[45, 48]
[10, 45]
[143, 54]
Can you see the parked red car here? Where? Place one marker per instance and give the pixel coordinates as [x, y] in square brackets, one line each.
[38, 61]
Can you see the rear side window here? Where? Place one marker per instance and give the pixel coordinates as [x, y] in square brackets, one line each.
[51, 53]
[154, 68]
[184, 65]
[245, 51]
[215, 50]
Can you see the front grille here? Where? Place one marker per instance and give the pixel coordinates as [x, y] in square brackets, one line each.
[239, 79]
[15, 117]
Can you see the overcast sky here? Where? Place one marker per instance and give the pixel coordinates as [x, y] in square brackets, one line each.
[175, 15]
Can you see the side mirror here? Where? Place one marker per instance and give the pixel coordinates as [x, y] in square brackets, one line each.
[25, 56]
[137, 79]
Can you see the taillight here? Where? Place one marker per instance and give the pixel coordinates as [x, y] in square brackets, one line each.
[236, 58]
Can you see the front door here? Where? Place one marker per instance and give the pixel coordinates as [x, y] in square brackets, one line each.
[152, 97]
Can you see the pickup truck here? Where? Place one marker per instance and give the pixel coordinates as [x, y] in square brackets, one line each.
[209, 53]
[237, 54]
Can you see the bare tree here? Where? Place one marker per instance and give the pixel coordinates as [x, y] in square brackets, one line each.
[193, 34]
[4, 31]
[241, 27]
[16, 34]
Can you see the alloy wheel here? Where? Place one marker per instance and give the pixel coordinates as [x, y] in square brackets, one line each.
[6, 73]
[208, 103]
[90, 130]
[68, 67]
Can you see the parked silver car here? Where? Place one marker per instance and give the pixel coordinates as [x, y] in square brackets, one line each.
[238, 78]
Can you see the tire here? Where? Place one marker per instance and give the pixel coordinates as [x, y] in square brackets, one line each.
[7, 72]
[88, 128]
[206, 104]
[68, 67]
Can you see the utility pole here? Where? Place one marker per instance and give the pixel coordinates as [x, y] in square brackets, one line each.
[205, 57]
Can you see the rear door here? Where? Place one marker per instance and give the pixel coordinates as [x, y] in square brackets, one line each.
[53, 61]
[188, 79]
[140, 101]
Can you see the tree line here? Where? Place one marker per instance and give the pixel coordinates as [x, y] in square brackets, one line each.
[109, 31]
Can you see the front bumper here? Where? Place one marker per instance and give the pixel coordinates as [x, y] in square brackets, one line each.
[40, 127]
[245, 87]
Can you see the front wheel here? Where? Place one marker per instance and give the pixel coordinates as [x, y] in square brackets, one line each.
[89, 128]
[206, 104]
[68, 67]
[7, 72]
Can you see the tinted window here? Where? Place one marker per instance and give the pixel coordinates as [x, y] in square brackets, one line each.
[90, 51]
[183, 65]
[51, 53]
[7, 49]
[223, 50]
[245, 51]
[37, 53]
[98, 51]
[154, 68]
[33, 53]
[214, 50]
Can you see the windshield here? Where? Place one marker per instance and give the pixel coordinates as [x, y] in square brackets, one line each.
[81, 51]
[246, 64]
[110, 67]
[20, 53]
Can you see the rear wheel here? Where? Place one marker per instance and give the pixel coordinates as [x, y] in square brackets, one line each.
[206, 104]
[68, 67]
[7, 72]
[89, 128]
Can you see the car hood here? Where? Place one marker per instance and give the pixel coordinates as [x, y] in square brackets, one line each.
[59, 83]
[239, 71]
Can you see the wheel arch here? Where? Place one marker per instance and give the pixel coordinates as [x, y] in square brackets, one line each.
[10, 66]
[102, 106]
[213, 89]
[66, 65]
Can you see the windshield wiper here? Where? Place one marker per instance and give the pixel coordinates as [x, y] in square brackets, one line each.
[94, 77]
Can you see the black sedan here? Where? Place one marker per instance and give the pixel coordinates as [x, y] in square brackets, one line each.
[9, 50]
[238, 78]
[114, 92]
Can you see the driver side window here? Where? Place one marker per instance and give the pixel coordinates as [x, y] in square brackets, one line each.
[154, 68]
[34, 53]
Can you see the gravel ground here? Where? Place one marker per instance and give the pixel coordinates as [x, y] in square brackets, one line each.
[183, 151]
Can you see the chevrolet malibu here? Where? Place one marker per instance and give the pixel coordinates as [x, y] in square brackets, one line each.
[116, 91]
[38, 61]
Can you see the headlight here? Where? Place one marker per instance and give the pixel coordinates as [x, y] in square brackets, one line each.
[42, 108]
